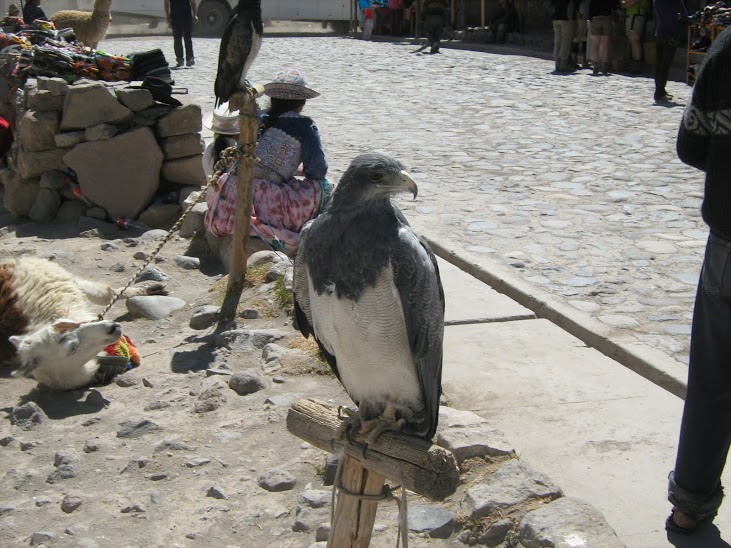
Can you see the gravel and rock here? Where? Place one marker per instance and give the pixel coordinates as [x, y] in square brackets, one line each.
[192, 448]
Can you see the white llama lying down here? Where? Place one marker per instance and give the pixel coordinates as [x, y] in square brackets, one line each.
[46, 324]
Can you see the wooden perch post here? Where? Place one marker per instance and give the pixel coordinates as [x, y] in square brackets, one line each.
[411, 462]
[245, 103]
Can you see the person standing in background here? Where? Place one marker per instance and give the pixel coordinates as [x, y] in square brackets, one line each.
[33, 11]
[669, 16]
[433, 12]
[181, 14]
[564, 29]
[600, 21]
[582, 25]
[634, 26]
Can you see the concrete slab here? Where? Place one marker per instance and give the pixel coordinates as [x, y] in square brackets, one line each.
[601, 432]
[468, 300]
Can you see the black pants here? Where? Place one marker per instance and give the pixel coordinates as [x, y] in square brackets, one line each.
[433, 26]
[705, 432]
[182, 30]
[665, 54]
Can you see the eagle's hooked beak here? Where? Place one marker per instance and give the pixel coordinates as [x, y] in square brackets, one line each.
[408, 183]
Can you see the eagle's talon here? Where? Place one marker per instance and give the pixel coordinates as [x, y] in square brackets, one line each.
[350, 426]
[351, 430]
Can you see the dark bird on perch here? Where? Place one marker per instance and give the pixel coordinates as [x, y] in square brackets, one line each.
[240, 44]
[368, 288]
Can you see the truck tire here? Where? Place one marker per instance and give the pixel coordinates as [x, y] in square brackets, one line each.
[340, 27]
[213, 17]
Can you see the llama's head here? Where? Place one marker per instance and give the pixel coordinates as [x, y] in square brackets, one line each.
[62, 347]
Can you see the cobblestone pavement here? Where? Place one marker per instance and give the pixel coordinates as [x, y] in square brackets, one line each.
[571, 180]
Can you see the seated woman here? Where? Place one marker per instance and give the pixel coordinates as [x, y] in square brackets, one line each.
[285, 198]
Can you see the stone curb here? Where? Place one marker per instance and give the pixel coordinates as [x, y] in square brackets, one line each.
[648, 362]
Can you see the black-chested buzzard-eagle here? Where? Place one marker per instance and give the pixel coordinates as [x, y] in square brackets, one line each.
[239, 46]
[368, 288]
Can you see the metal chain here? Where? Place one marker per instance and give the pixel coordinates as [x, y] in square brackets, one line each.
[228, 157]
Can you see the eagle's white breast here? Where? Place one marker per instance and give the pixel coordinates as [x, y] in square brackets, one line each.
[368, 338]
[255, 45]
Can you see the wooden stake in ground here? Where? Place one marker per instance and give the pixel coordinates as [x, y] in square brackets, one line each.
[411, 462]
[355, 517]
[248, 129]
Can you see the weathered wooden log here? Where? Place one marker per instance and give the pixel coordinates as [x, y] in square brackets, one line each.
[416, 464]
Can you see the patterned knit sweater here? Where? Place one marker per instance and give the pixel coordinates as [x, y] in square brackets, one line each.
[704, 137]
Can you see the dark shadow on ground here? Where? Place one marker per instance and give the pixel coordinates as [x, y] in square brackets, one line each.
[199, 359]
[27, 229]
[669, 104]
[706, 536]
[61, 404]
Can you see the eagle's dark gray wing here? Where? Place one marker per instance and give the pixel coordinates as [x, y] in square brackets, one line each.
[301, 296]
[236, 44]
[417, 280]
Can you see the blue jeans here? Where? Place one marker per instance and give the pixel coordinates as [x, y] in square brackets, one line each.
[705, 431]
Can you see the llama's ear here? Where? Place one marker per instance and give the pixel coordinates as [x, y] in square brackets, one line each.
[62, 326]
[16, 341]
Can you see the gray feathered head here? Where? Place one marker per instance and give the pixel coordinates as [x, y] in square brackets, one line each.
[371, 178]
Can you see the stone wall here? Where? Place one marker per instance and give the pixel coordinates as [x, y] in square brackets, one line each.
[103, 150]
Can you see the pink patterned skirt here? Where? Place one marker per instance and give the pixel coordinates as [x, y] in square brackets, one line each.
[279, 210]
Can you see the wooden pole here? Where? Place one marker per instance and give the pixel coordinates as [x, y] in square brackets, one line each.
[482, 14]
[354, 518]
[248, 128]
[411, 462]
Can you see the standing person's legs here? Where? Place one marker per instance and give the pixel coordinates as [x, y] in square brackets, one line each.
[581, 37]
[596, 35]
[430, 29]
[567, 33]
[188, 35]
[502, 32]
[635, 25]
[605, 52]
[601, 26]
[177, 41]
[665, 54]
[705, 432]
[438, 28]
[557, 37]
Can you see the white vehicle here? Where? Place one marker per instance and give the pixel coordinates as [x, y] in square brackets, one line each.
[214, 14]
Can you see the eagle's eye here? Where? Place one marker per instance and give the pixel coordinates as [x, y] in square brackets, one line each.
[377, 176]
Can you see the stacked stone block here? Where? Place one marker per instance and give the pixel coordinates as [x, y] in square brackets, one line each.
[125, 148]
